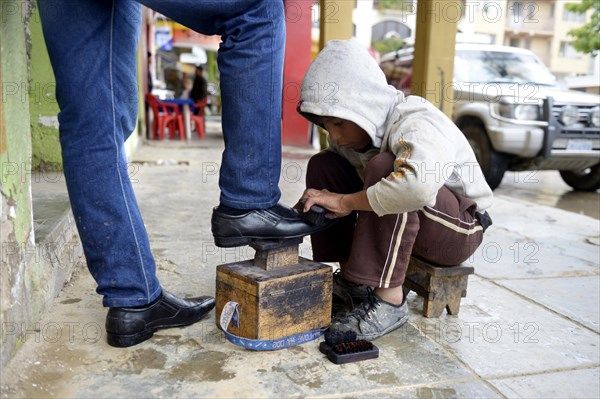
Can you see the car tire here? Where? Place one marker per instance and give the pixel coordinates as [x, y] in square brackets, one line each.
[583, 180]
[493, 163]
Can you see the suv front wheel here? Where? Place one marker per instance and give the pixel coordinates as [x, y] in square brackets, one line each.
[584, 180]
[493, 163]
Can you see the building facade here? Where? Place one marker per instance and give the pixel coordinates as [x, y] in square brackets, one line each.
[541, 26]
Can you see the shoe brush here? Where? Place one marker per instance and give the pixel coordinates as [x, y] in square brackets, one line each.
[315, 215]
[342, 347]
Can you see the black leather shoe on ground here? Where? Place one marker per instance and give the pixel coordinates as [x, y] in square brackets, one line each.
[276, 223]
[130, 326]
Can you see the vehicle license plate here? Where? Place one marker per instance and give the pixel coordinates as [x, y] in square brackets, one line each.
[579, 145]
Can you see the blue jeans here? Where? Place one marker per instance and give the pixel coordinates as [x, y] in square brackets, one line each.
[92, 46]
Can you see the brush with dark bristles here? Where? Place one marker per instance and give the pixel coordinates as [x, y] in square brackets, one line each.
[342, 347]
[338, 337]
[315, 215]
[333, 338]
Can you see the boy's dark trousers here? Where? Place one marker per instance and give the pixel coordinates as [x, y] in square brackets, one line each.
[377, 249]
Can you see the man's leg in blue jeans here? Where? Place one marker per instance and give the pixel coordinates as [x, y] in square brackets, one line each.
[92, 46]
[251, 74]
[250, 63]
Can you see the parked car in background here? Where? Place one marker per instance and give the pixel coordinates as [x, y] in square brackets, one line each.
[513, 113]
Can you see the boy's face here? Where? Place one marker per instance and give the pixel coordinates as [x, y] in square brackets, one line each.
[346, 134]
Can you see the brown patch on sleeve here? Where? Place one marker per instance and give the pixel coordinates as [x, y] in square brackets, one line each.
[401, 165]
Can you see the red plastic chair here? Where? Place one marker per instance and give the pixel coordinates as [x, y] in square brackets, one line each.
[165, 116]
[198, 119]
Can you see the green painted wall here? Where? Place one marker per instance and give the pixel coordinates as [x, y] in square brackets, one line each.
[46, 152]
[134, 140]
[16, 217]
[15, 154]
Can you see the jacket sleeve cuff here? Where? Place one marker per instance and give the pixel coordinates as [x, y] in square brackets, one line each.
[374, 201]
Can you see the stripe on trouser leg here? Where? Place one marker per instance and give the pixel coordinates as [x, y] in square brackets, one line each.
[450, 225]
[389, 253]
[396, 241]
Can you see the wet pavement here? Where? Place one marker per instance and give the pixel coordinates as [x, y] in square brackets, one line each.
[528, 327]
[548, 188]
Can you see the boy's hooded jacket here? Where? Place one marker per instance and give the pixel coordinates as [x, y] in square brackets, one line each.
[345, 81]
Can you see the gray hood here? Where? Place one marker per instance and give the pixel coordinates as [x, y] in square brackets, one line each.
[345, 81]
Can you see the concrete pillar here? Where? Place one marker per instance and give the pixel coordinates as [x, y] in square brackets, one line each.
[336, 20]
[435, 41]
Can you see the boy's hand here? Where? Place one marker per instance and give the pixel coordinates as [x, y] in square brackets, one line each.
[328, 200]
[339, 205]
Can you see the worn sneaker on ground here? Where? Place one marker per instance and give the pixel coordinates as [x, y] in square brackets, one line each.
[346, 295]
[373, 318]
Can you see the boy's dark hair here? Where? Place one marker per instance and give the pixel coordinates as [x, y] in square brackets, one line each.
[316, 119]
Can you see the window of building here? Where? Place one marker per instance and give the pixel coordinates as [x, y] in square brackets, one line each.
[573, 16]
[568, 51]
[514, 42]
[518, 9]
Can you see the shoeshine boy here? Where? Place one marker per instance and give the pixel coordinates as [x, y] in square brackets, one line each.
[381, 177]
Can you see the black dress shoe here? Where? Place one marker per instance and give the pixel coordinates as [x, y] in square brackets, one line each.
[275, 223]
[130, 326]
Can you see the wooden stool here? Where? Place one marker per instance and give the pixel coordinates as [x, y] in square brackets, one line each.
[441, 287]
[279, 293]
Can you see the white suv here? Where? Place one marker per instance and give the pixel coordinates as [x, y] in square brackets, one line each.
[509, 107]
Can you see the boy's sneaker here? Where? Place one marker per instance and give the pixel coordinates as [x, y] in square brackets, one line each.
[372, 319]
[346, 295]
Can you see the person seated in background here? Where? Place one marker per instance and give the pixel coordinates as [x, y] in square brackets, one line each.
[199, 90]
